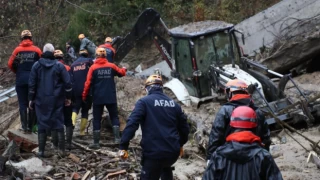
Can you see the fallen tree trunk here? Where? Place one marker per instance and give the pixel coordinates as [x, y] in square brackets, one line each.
[294, 53]
[101, 151]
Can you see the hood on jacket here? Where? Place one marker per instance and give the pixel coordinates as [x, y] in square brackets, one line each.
[100, 60]
[47, 59]
[26, 42]
[242, 102]
[239, 152]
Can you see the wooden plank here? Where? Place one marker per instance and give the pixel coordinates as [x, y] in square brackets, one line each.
[85, 176]
[74, 158]
[110, 175]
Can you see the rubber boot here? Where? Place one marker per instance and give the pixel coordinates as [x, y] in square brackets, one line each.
[116, 133]
[73, 118]
[24, 119]
[61, 139]
[48, 132]
[31, 120]
[69, 134]
[42, 138]
[54, 139]
[96, 139]
[83, 125]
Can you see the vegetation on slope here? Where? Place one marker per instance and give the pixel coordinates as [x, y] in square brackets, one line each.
[58, 21]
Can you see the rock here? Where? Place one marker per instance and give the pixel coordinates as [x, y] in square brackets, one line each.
[33, 165]
[277, 154]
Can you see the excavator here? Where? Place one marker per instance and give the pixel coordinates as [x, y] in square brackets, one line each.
[204, 56]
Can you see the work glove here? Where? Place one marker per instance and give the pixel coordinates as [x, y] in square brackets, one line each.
[181, 152]
[123, 154]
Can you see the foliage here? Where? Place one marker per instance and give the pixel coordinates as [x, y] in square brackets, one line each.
[59, 21]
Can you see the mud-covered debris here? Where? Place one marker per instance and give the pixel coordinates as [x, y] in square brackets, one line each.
[33, 165]
[198, 28]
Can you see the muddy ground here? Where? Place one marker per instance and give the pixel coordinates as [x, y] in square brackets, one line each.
[289, 155]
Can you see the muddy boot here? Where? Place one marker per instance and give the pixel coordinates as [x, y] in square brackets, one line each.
[24, 119]
[54, 139]
[61, 139]
[42, 138]
[96, 139]
[69, 134]
[116, 133]
[31, 120]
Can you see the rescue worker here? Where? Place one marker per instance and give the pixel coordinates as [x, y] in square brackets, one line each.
[100, 79]
[67, 111]
[88, 45]
[49, 91]
[21, 61]
[79, 71]
[237, 93]
[71, 53]
[164, 131]
[111, 52]
[243, 155]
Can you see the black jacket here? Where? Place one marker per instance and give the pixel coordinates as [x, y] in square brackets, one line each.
[79, 70]
[163, 124]
[49, 86]
[242, 161]
[221, 129]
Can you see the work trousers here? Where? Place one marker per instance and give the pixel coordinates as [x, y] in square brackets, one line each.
[67, 113]
[22, 92]
[98, 111]
[153, 169]
[78, 103]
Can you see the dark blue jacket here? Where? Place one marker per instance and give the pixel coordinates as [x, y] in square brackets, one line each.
[242, 161]
[100, 81]
[22, 59]
[163, 124]
[49, 86]
[79, 70]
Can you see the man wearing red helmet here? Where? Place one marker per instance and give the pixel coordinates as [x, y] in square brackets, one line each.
[243, 155]
[238, 95]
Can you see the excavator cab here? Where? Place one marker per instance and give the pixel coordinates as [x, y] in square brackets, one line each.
[198, 46]
[203, 57]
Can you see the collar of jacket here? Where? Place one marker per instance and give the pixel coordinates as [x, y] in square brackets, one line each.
[240, 96]
[48, 55]
[26, 42]
[156, 91]
[61, 60]
[108, 45]
[243, 137]
[101, 60]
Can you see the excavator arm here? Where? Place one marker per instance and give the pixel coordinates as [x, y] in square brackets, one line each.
[145, 26]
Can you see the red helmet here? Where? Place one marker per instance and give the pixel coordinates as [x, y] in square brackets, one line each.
[243, 117]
